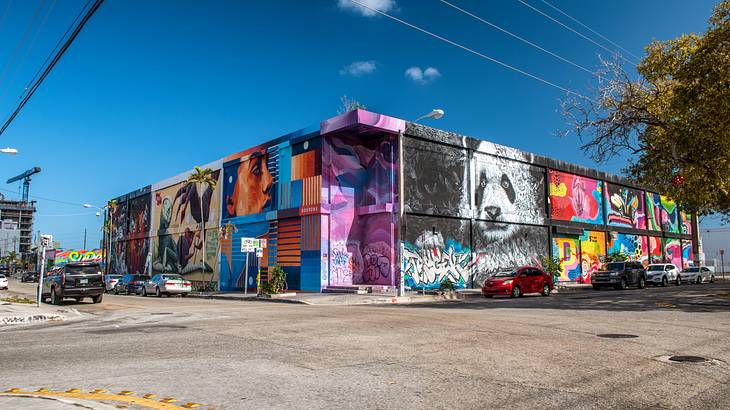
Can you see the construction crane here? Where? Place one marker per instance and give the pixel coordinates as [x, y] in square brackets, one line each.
[25, 176]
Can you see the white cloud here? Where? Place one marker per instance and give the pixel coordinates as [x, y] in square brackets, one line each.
[382, 5]
[359, 68]
[422, 76]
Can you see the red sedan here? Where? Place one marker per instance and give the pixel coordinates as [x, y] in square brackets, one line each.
[517, 282]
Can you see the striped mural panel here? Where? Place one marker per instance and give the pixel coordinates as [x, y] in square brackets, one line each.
[289, 239]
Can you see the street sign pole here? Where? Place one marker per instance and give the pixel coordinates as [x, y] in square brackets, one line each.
[245, 285]
[46, 240]
[722, 262]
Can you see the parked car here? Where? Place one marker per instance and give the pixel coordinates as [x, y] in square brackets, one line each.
[516, 282]
[3, 281]
[620, 275]
[167, 284]
[29, 277]
[130, 284]
[662, 274]
[73, 280]
[110, 281]
[697, 274]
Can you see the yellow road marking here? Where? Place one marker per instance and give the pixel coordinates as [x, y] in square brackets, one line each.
[125, 393]
[164, 404]
[149, 396]
[95, 391]
[73, 390]
[191, 405]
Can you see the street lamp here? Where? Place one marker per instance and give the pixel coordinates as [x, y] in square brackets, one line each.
[9, 151]
[435, 114]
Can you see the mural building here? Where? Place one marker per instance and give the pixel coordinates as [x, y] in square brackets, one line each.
[339, 205]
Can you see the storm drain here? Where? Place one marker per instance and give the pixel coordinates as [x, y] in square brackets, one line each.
[687, 359]
[617, 336]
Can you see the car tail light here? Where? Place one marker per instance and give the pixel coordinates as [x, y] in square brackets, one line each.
[169, 283]
[63, 279]
[188, 284]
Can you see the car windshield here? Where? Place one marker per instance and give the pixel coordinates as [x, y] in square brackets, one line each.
[656, 267]
[692, 270]
[2, 276]
[506, 274]
[615, 266]
[114, 276]
[172, 277]
[83, 269]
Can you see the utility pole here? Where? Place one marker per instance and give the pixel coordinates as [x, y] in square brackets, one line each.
[84, 238]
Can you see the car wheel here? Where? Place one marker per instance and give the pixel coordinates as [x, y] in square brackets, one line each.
[516, 292]
[183, 295]
[621, 285]
[97, 298]
[116, 291]
[158, 293]
[712, 279]
[54, 297]
[665, 281]
[699, 280]
[642, 282]
[679, 280]
[488, 296]
[596, 287]
[144, 291]
[546, 290]
[78, 300]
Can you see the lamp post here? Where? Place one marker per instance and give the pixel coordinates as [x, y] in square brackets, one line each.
[435, 114]
[9, 151]
[106, 240]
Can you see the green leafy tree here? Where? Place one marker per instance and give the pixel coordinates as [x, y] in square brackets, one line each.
[616, 256]
[552, 266]
[347, 104]
[673, 120]
[204, 179]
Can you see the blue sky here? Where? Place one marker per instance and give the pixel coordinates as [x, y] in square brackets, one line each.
[152, 88]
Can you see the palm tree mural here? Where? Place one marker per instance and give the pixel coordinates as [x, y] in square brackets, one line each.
[206, 178]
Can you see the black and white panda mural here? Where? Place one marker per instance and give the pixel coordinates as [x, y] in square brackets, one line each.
[508, 195]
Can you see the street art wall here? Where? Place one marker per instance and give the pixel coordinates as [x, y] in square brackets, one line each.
[436, 179]
[625, 207]
[656, 250]
[673, 251]
[64, 256]
[653, 211]
[508, 191]
[635, 247]
[566, 250]
[575, 198]
[499, 246]
[669, 215]
[593, 252]
[685, 220]
[687, 254]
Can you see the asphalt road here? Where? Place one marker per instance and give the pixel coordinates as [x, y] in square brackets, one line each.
[533, 352]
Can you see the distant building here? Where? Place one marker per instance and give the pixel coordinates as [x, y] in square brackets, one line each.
[9, 238]
[714, 240]
[21, 214]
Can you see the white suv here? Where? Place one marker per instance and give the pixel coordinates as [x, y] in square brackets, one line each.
[698, 274]
[662, 274]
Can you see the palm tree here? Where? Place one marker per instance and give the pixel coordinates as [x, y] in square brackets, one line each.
[111, 206]
[204, 177]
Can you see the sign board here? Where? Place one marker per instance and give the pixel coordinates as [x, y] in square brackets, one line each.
[262, 243]
[249, 244]
[722, 251]
[46, 240]
[259, 252]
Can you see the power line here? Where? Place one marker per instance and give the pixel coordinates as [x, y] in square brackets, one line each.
[590, 29]
[505, 31]
[573, 30]
[5, 12]
[52, 64]
[21, 43]
[455, 44]
[45, 199]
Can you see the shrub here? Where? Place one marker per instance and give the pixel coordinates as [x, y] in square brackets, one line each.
[447, 285]
[553, 267]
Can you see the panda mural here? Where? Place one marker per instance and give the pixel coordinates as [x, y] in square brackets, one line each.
[508, 195]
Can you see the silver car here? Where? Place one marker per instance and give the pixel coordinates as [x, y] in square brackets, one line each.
[166, 284]
[662, 274]
[110, 281]
[698, 274]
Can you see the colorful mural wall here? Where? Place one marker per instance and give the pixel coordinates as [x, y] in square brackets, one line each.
[63, 257]
[673, 251]
[625, 207]
[687, 254]
[575, 198]
[653, 211]
[567, 251]
[636, 247]
[685, 220]
[669, 215]
[656, 250]
[592, 253]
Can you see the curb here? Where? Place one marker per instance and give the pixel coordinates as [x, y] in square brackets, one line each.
[247, 299]
[30, 319]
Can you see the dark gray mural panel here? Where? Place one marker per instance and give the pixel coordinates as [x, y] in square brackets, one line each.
[500, 246]
[508, 191]
[435, 249]
[436, 179]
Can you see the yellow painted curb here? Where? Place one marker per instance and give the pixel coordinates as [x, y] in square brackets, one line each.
[164, 404]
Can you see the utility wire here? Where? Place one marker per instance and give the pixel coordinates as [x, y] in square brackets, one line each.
[45, 199]
[21, 43]
[5, 13]
[590, 29]
[573, 30]
[455, 44]
[52, 64]
[505, 31]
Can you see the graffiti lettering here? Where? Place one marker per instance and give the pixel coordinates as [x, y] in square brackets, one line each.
[429, 268]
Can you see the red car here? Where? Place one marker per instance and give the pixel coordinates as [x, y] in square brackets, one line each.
[517, 282]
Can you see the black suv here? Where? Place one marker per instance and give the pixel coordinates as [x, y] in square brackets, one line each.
[620, 275]
[74, 280]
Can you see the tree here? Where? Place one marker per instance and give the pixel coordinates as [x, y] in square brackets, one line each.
[348, 105]
[673, 120]
[616, 256]
[204, 178]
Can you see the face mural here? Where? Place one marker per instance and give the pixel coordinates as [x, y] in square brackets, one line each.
[625, 207]
[656, 251]
[436, 179]
[686, 222]
[593, 252]
[508, 191]
[525, 245]
[566, 251]
[139, 216]
[575, 198]
[653, 211]
[673, 251]
[136, 255]
[687, 254]
[251, 182]
[635, 247]
[669, 215]
[433, 251]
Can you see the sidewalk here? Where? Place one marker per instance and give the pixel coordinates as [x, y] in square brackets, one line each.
[26, 314]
